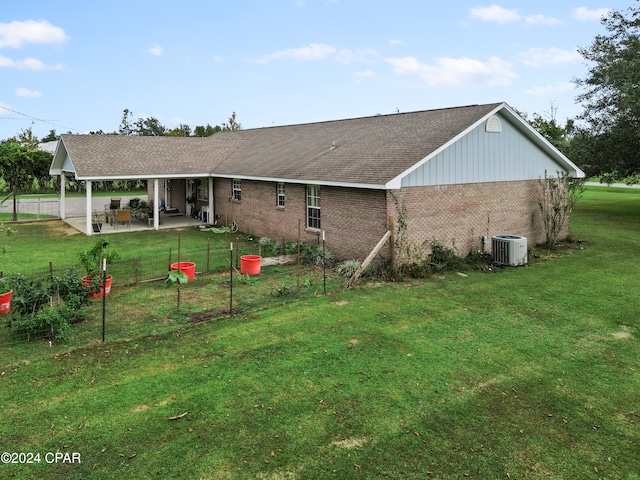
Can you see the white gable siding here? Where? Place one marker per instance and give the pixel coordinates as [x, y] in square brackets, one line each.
[482, 156]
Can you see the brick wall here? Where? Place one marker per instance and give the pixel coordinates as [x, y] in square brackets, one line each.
[353, 219]
[458, 216]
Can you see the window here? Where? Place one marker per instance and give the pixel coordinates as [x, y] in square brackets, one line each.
[280, 195]
[236, 190]
[313, 207]
[202, 189]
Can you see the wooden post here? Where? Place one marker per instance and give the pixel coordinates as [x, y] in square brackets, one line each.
[208, 252]
[367, 260]
[298, 281]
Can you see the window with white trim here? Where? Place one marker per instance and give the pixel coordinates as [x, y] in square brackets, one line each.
[280, 195]
[202, 189]
[313, 207]
[236, 190]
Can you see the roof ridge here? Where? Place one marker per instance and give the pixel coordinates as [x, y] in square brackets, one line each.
[378, 115]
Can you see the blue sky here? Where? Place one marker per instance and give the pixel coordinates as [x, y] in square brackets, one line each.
[75, 66]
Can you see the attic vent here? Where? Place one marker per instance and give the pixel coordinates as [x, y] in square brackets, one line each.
[493, 125]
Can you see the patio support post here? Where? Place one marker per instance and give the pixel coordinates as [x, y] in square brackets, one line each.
[88, 208]
[63, 204]
[156, 205]
[211, 218]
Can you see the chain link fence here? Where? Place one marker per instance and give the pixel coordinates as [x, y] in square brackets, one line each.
[33, 207]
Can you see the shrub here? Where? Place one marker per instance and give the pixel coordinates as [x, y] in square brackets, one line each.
[314, 255]
[46, 308]
[347, 268]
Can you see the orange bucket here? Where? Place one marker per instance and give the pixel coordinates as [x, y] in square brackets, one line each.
[188, 268]
[250, 264]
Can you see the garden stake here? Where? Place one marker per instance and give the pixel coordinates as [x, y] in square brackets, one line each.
[324, 266]
[231, 280]
[104, 295]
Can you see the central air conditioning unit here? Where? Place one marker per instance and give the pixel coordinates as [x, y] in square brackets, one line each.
[509, 250]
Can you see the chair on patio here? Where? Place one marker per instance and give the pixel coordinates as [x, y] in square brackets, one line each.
[110, 210]
[123, 216]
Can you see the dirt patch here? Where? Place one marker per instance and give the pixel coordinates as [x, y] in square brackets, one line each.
[206, 315]
[623, 334]
[353, 341]
[341, 303]
[350, 443]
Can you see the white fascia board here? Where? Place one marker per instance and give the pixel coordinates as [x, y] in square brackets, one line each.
[370, 186]
[59, 157]
[141, 177]
[395, 183]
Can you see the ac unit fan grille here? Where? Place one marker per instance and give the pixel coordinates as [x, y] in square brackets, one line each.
[509, 250]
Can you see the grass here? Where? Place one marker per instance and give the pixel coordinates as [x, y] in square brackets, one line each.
[528, 373]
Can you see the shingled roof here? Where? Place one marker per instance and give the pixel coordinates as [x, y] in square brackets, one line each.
[369, 151]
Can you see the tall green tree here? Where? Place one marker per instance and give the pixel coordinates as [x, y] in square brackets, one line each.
[611, 97]
[20, 166]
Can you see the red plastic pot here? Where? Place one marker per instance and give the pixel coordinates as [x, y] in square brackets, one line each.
[188, 268]
[87, 283]
[250, 264]
[5, 302]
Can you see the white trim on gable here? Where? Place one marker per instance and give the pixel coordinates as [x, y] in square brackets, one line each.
[520, 124]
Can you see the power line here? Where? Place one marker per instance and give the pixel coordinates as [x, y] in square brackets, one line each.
[34, 119]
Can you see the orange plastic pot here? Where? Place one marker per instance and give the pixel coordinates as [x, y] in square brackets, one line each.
[250, 264]
[188, 268]
[5, 302]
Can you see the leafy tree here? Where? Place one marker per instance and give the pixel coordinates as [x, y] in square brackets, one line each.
[52, 137]
[233, 124]
[149, 127]
[126, 127]
[20, 166]
[559, 136]
[207, 131]
[611, 97]
[181, 131]
[27, 138]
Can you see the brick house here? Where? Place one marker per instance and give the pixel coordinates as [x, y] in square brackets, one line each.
[461, 173]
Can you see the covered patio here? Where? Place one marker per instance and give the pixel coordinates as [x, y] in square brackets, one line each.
[76, 216]
[171, 166]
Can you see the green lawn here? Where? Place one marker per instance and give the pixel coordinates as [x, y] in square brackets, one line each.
[528, 373]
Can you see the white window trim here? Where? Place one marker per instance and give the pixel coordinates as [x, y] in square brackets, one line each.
[280, 195]
[317, 208]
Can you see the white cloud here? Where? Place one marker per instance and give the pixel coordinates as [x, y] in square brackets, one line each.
[547, 57]
[25, 92]
[27, 64]
[494, 13]
[156, 50]
[585, 15]
[396, 42]
[315, 51]
[500, 15]
[318, 51]
[541, 20]
[218, 58]
[546, 90]
[362, 76]
[456, 72]
[16, 34]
